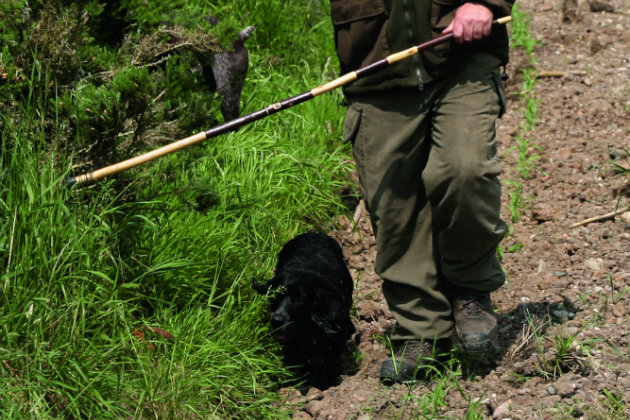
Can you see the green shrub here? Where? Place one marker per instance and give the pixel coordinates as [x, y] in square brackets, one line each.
[131, 298]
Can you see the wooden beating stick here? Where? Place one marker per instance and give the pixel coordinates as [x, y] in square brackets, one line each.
[257, 115]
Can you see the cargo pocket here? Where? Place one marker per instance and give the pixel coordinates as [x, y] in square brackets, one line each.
[359, 32]
[500, 88]
[351, 124]
[352, 134]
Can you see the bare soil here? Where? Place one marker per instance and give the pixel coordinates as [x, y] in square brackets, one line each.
[563, 312]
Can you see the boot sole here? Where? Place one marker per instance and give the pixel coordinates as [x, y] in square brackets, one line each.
[477, 349]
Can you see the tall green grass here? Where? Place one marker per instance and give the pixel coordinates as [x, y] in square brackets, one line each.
[133, 300]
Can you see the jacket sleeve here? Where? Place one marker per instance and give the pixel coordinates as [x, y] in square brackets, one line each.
[500, 8]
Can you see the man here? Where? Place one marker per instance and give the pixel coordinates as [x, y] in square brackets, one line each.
[423, 135]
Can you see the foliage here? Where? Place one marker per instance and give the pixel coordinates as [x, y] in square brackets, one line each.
[130, 298]
[520, 37]
[117, 93]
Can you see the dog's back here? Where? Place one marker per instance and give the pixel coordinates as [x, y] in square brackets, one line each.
[320, 253]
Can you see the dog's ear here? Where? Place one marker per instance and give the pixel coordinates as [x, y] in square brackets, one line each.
[260, 288]
[270, 285]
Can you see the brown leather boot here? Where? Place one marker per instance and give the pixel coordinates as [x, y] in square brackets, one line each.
[413, 361]
[475, 322]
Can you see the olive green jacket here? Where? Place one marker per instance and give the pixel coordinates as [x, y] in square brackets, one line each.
[369, 30]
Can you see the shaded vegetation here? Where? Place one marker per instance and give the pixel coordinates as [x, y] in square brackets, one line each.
[130, 297]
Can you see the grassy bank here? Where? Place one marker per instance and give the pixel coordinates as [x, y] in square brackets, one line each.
[130, 298]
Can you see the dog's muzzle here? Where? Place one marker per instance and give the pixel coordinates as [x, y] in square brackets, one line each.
[279, 324]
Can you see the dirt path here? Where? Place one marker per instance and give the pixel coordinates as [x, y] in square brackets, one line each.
[564, 310]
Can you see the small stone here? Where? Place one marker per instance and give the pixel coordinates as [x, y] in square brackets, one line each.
[594, 264]
[559, 315]
[503, 410]
[301, 415]
[551, 401]
[620, 309]
[565, 386]
[570, 331]
[601, 6]
[334, 414]
[569, 11]
[542, 212]
[291, 395]
[597, 46]
[315, 407]
[551, 390]
[533, 382]
[314, 394]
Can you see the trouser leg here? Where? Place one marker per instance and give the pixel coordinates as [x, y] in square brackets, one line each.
[461, 178]
[428, 172]
[391, 143]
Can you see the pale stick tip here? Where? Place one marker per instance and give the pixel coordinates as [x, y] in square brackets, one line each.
[504, 20]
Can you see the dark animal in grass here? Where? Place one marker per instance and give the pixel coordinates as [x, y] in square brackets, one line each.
[311, 297]
[224, 67]
[225, 72]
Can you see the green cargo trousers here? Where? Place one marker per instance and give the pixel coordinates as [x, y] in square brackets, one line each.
[429, 175]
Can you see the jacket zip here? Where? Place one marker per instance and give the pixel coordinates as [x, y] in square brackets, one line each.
[412, 41]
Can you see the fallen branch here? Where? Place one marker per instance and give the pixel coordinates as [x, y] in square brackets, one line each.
[606, 216]
[560, 73]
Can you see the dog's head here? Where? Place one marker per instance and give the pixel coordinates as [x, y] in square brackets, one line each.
[300, 306]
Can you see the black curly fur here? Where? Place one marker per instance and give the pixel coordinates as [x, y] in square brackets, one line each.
[311, 297]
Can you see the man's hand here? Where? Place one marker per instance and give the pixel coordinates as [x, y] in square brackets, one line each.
[472, 22]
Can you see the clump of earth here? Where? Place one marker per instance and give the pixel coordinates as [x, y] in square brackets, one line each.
[564, 310]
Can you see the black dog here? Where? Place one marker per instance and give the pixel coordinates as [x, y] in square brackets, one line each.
[311, 296]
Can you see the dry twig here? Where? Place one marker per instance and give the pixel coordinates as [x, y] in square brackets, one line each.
[559, 73]
[599, 218]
